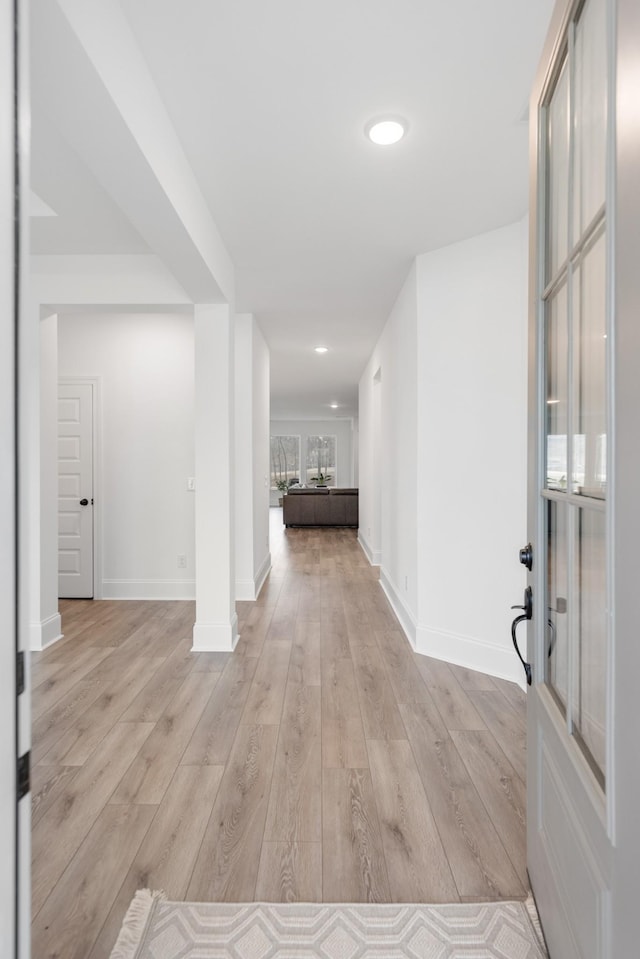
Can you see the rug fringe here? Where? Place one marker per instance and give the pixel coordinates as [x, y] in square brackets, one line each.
[135, 923]
[530, 906]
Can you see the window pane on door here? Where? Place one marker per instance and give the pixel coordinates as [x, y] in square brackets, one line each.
[589, 308]
[557, 663]
[557, 391]
[558, 174]
[590, 114]
[589, 697]
[574, 291]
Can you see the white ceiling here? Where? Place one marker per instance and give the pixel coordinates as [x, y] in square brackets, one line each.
[270, 100]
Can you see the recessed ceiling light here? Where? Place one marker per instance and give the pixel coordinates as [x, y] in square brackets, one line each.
[334, 406]
[321, 349]
[386, 130]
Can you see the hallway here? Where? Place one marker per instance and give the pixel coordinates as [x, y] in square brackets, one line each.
[322, 760]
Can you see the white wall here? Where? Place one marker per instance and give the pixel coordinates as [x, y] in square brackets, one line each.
[45, 622]
[388, 458]
[145, 364]
[472, 409]
[340, 428]
[216, 626]
[253, 559]
[131, 280]
[261, 434]
[368, 485]
[445, 454]
[355, 450]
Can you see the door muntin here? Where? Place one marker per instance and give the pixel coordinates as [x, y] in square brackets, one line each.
[573, 307]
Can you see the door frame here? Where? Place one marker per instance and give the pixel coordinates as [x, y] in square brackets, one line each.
[96, 446]
[15, 832]
[12, 854]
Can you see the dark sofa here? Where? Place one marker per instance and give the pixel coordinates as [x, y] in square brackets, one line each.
[320, 507]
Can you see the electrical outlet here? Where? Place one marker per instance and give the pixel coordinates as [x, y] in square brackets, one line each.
[182, 561]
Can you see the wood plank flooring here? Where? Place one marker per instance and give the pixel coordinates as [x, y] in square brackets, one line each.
[322, 760]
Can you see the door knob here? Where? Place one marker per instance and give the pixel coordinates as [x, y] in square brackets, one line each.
[84, 502]
[526, 556]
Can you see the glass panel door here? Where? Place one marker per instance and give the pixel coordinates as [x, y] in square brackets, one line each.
[583, 790]
[574, 481]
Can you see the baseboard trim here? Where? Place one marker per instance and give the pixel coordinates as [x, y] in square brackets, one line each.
[470, 652]
[373, 555]
[262, 574]
[405, 617]
[142, 589]
[46, 633]
[215, 637]
[249, 589]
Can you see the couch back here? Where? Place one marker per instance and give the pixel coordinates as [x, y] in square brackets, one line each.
[321, 507]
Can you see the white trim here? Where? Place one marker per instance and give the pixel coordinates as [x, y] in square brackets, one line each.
[467, 651]
[262, 574]
[96, 426]
[148, 589]
[215, 637]
[249, 589]
[46, 633]
[404, 614]
[610, 381]
[373, 555]
[14, 842]
[470, 652]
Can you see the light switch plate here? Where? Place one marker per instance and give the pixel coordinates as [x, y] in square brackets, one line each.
[191, 483]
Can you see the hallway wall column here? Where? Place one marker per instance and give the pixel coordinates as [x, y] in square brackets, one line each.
[39, 512]
[216, 626]
[47, 624]
[253, 559]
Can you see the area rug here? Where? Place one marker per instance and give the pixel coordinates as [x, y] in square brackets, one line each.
[157, 929]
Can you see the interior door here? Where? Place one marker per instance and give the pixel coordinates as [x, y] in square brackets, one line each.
[571, 774]
[75, 490]
[9, 261]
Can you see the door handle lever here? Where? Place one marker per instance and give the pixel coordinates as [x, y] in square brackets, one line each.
[528, 603]
[514, 626]
[527, 614]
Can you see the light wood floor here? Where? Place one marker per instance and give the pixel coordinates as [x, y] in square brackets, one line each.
[322, 760]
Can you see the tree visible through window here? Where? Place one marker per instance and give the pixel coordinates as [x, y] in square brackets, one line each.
[321, 460]
[285, 461]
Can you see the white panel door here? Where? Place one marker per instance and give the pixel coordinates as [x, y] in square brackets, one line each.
[583, 497]
[75, 491]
